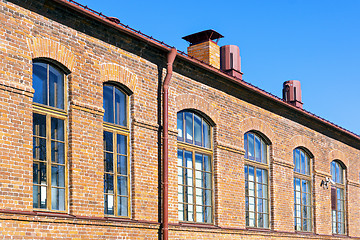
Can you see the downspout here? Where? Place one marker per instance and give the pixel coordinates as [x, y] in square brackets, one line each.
[165, 181]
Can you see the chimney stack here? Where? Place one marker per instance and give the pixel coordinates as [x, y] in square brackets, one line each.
[292, 93]
[203, 47]
[230, 61]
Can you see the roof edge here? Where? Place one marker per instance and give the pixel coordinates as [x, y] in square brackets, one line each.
[163, 46]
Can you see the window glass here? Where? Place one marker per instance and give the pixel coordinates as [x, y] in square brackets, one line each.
[180, 126]
[195, 188]
[256, 197]
[48, 83]
[302, 191]
[338, 198]
[115, 102]
[189, 127]
[40, 83]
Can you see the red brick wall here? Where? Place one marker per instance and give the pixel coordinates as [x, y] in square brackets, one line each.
[94, 54]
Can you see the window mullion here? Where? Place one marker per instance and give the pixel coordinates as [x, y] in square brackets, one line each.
[48, 162]
[194, 182]
[48, 84]
[115, 171]
[255, 192]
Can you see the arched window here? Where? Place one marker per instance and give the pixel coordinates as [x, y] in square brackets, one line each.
[49, 137]
[195, 169]
[302, 191]
[338, 197]
[116, 152]
[256, 181]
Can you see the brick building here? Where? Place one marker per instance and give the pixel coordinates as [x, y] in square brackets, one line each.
[109, 134]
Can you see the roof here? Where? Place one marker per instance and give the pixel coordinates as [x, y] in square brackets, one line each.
[159, 44]
[202, 36]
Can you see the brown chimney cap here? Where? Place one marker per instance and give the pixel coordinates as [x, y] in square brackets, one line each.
[202, 36]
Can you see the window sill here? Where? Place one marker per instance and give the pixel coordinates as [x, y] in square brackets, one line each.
[304, 233]
[199, 225]
[258, 229]
[50, 213]
[340, 235]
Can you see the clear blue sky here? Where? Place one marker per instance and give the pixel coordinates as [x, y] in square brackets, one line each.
[316, 42]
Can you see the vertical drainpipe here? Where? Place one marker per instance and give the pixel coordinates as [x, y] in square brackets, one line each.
[165, 182]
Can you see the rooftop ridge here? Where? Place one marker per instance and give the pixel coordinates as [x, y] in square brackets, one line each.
[118, 22]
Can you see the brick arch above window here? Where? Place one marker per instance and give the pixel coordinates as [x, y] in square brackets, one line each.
[189, 101]
[257, 126]
[338, 156]
[111, 72]
[300, 141]
[46, 48]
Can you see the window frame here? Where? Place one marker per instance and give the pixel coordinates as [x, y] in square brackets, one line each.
[116, 129]
[258, 165]
[193, 148]
[58, 113]
[343, 187]
[64, 72]
[309, 178]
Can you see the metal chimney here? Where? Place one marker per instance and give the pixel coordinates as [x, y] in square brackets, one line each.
[292, 93]
[230, 60]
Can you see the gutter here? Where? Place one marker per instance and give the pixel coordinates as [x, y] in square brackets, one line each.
[165, 181]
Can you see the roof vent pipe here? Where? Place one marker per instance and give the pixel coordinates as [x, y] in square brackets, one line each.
[292, 93]
[230, 61]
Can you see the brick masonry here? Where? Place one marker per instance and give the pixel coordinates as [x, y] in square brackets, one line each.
[93, 53]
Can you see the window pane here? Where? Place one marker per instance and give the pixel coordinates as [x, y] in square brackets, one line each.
[188, 159]
[263, 152]
[302, 165]
[181, 211]
[56, 88]
[251, 146]
[246, 147]
[122, 186]
[197, 130]
[39, 149]
[39, 196]
[109, 204]
[58, 199]
[206, 134]
[189, 127]
[108, 104]
[207, 180]
[57, 129]
[257, 149]
[297, 160]
[39, 125]
[199, 214]
[180, 126]
[108, 141]
[122, 206]
[122, 165]
[208, 214]
[207, 163]
[57, 176]
[57, 152]
[198, 161]
[121, 144]
[108, 162]
[333, 170]
[180, 158]
[109, 183]
[190, 213]
[207, 196]
[120, 107]
[39, 173]
[40, 83]
[251, 173]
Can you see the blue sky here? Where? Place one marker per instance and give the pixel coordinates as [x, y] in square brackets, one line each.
[316, 42]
